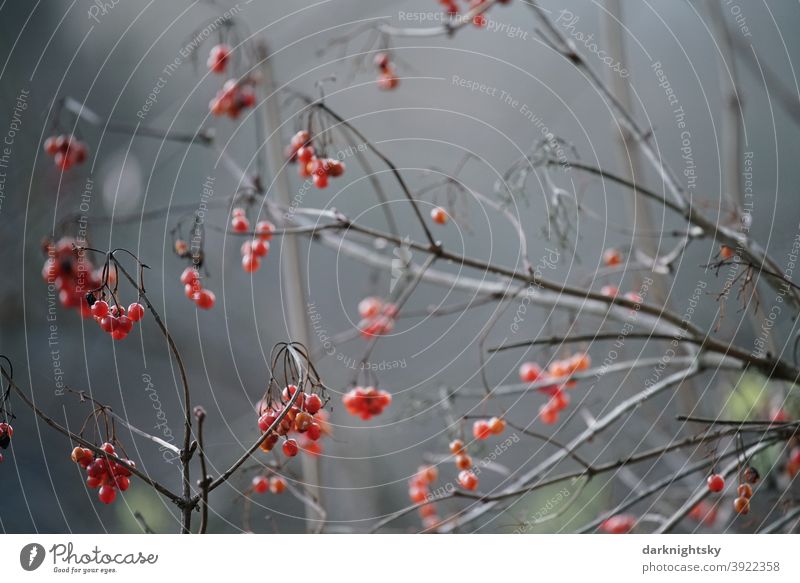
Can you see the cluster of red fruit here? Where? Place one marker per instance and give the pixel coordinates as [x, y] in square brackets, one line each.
[366, 402]
[377, 317]
[744, 491]
[387, 80]
[299, 418]
[194, 290]
[319, 169]
[276, 484]
[618, 524]
[466, 477]
[418, 492]
[233, 98]
[115, 320]
[66, 151]
[559, 372]
[102, 472]
[6, 433]
[72, 273]
[218, 58]
[257, 249]
[483, 429]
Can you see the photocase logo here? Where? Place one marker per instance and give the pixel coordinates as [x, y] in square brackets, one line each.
[400, 262]
[31, 556]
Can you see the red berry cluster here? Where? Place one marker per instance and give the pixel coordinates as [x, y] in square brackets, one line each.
[418, 491]
[377, 317]
[194, 290]
[387, 80]
[218, 58]
[619, 524]
[66, 151]
[300, 418]
[466, 477]
[6, 433]
[366, 402]
[559, 372]
[115, 320]
[257, 249]
[72, 273]
[232, 99]
[483, 429]
[276, 484]
[319, 169]
[103, 472]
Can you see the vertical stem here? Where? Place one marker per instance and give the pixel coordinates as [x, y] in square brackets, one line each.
[291, 275]
[186, 455]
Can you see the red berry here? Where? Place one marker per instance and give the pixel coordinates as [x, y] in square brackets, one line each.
[305, 154]
[382, 60]
[529, 372]
[240, 224]
[716, 483]
[313, 403]
[468, 480]
[290, 448]
[277, 485]
[611, 291]
[439, 215]
[320, 180]
[745, 491]
[100, 309]
[370, 307]
[303, 421]
[481, 429]
[205, 299]
[107, 494]
[463, 461]
[189, 276]
[619, 524]
[51, 145]
[497, 425]
[741, 505]
[417, 495]
[314, 431]
[218, 58]
[264, 230]
[251, 263]
[456, 446]
[388, 80]
[136, 312]
[259, 248]
[260, 484]
[612, 257]
[548, 414]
